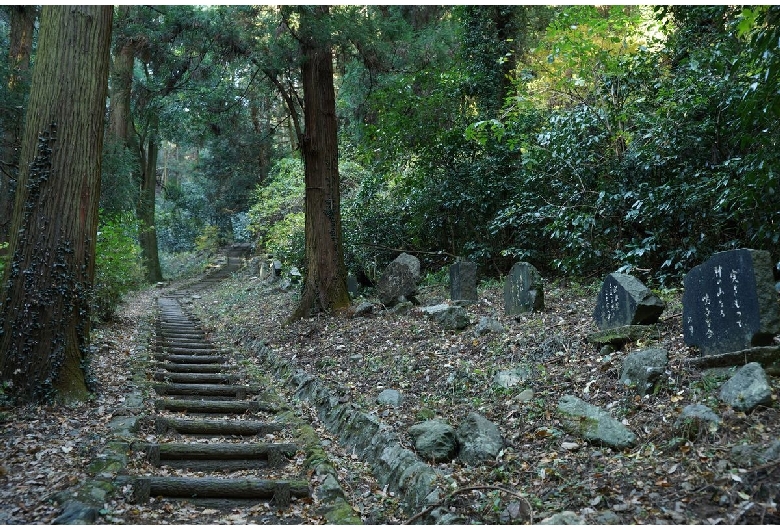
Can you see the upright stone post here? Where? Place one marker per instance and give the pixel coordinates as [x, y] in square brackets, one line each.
[523, 290]
[463, 281]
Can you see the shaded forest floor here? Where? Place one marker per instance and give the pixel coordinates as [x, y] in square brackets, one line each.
[665, 478]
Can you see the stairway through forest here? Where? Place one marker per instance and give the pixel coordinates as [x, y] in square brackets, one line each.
[203, 395]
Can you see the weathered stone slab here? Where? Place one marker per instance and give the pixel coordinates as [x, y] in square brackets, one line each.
[730, 302]
[463, 281]
[352, 285]
[625, 301]
[523, 290]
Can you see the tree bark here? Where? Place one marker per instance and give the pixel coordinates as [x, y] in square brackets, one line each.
[325, 288]
[146, 207]
[20, 50]
[121, 84]
[45, 299]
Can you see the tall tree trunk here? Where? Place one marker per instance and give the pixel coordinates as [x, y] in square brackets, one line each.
[121, 83]
[146, 206]
[20, 50]
[45, 318]
[326, 277]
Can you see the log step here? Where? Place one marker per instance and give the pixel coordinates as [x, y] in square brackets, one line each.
[274, 454]
[179, 350]
[208, 379]
[194, 389]
[183, 368]
[214, 407]
[217, 427]
[192, 359]
[281, 491]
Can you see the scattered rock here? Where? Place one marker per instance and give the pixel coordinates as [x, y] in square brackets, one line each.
[696, 421]
[76, 512]
[487, 325]
[525, 396]
[513, 377]
[447, 316]
[365, 308]
[124, 426]
[479, 439]
[642, 369]
[564, 518]
[434, 440]
[593, 424]
[390, 397]
[747, 389]
[749, 455]
[618, 337]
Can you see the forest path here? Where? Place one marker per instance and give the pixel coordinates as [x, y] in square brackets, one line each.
[217, 443]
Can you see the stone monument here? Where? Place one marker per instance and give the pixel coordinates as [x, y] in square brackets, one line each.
[625, 301]
[730, 302]
[463, 281]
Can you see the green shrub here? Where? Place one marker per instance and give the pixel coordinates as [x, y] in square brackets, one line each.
[208, 239]
[118, 265]
[285, 240]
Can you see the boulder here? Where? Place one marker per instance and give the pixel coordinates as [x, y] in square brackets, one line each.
[434, 440]
[564, 518]
[747, 389]
[479, 439]
[641, 369]
[593, 424]
[365, 308]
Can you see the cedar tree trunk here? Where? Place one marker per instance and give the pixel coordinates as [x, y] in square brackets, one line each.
[44, 317]
[148, 232]
[326, 279]
[20, 50]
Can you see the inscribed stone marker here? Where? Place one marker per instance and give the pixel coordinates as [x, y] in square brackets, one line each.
[463, 281]
[730, 303]
[523, 290]
[625, 301]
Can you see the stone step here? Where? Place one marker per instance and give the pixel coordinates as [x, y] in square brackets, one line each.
[164, 425]
[281, 491]
[214, 406]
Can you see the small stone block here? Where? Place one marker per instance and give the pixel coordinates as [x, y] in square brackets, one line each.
[625, 301]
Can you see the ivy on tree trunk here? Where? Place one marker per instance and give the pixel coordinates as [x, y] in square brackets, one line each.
[44, 323]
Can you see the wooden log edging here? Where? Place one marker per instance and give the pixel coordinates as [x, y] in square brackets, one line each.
[216, 407]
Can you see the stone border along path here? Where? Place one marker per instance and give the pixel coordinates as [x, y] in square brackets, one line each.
[193, 377]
